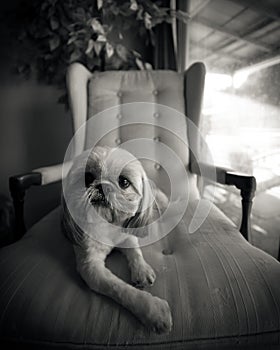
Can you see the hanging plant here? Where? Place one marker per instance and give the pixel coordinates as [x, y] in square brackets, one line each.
[91, 32]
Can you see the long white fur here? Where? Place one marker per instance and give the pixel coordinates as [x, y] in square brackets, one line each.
[132, 208]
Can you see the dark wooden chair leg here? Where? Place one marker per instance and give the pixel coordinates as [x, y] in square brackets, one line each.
[18, 200]
[18, 185]
[247, 202]
[245, 183]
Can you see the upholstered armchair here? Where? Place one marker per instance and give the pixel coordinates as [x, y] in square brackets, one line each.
[223, 292]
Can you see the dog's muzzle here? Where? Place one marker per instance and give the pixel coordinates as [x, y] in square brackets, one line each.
[100, 194]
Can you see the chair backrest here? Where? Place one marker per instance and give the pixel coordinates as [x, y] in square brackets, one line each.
[131, 105]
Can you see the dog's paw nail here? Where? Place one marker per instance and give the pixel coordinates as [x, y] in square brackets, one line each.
[157, 316]
[137, 285]
[143, 276]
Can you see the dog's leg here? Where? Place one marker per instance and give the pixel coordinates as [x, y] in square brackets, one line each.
[152, 311]
[142, 273]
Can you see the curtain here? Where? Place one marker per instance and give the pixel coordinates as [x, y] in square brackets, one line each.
[164, 51]
[181, 35]
[172, 41]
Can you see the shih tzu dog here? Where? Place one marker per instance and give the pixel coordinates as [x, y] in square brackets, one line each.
[113, 203]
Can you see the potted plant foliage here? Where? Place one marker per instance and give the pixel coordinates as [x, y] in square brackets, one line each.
[95, 33]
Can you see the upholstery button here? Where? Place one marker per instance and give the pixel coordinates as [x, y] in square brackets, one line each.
[155, 92]
[156, 115]
[167, 251]
[119, 116]
[157, 166]
[118, 141]
[119, 94]
[156, 139]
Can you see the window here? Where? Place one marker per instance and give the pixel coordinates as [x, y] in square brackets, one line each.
[241, 111]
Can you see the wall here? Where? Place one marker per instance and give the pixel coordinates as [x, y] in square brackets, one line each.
[34, 131]
[34, 128]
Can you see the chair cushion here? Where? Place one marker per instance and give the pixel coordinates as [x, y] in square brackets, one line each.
[223, 292]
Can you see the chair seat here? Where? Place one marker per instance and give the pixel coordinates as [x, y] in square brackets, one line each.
[223, 292]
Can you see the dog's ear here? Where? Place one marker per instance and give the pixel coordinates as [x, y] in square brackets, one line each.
[146, 212]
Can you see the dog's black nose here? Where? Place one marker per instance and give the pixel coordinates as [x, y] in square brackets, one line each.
[103, 189]
[99, 189]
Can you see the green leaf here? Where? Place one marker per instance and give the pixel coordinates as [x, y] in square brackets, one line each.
[133, 5]
[147, 20]
[139, 64]
[109, 50]
[122, 52]
[75, 55]
[140, 14]
[97, 47]
[148, 66]
[101, 38]
[54, 42]
[54, 23]
[97, 26]
[79, 43]
[80, 14]
[89, 47]
[71, 39]
[136, 54]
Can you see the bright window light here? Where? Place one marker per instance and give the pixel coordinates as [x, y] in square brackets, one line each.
[239, 79]
[217, 81]
[221, 82]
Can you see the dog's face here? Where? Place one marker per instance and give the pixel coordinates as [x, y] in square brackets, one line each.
[116, 185]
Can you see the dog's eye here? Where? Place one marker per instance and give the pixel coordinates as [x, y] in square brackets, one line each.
[123, 182]
[89, 178]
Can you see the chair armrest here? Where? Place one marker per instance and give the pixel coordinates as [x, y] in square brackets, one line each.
[22, 182]
[53, 173]
[245, 183]
[225, 176]
[19, 184]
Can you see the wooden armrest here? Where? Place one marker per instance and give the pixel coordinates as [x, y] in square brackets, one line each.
[225, 176]
[245, 183]
[22, 182]
[18, 185]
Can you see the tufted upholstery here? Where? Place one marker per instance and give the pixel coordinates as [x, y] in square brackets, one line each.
[109, 89]
[116, 89]
[223, 293]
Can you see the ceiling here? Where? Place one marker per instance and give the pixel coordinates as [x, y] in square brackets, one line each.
[229, 35]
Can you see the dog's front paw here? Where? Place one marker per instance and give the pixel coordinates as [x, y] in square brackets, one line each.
[142, 275]
[157, 315]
